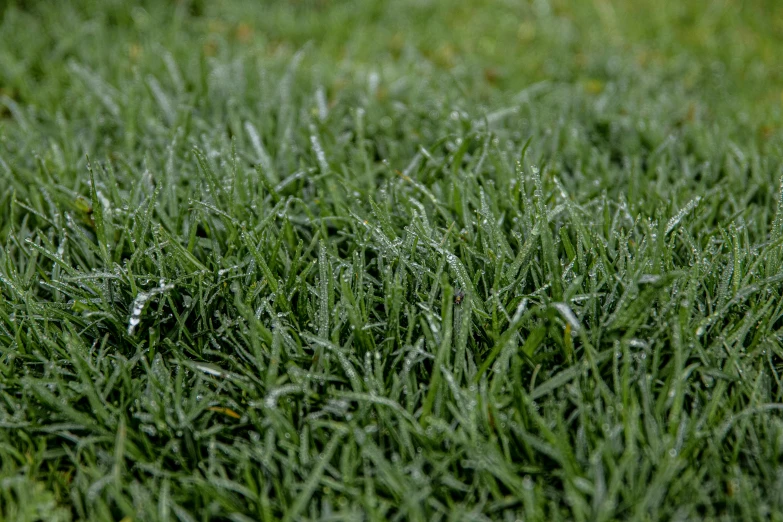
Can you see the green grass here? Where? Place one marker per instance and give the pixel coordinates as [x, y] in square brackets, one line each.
[319, 260]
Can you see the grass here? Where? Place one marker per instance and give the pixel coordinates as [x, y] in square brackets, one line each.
[318, 260]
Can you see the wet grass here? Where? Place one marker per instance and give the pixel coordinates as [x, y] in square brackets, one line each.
[390, 261]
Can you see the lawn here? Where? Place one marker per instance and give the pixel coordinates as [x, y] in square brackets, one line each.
[411, 260]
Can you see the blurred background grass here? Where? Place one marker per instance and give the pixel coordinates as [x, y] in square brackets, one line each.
[725, 53]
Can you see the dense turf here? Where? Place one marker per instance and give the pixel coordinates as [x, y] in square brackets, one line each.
[391, 261]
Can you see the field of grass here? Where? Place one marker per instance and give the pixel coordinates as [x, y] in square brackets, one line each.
[411, 260]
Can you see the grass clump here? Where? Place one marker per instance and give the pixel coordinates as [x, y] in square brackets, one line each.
[315, 260]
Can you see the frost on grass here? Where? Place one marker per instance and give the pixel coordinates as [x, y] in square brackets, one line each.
[141, 301]
[687, 209]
